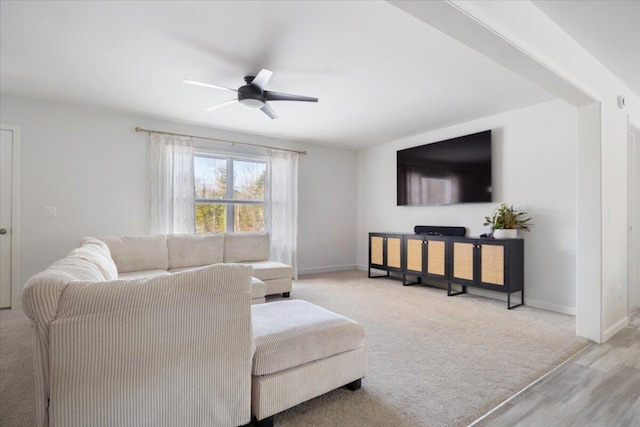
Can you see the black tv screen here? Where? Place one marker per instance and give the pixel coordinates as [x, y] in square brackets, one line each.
[457, 170]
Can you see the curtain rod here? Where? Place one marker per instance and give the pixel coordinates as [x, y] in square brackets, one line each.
[150, 131]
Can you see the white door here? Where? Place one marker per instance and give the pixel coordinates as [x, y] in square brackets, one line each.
[6, 163]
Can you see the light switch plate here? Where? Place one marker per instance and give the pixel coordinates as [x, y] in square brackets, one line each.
[49, 212]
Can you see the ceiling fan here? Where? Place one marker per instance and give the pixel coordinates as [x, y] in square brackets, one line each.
[253, 94]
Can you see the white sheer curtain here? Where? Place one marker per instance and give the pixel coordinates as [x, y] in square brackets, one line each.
[172, 191]
[281, 206]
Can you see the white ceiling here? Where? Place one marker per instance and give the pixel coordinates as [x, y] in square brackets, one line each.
[380, 73]
[609, 30]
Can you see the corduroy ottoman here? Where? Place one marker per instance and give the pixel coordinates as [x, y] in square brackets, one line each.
[302, 351]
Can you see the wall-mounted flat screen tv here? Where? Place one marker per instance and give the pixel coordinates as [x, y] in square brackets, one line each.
[457, 170]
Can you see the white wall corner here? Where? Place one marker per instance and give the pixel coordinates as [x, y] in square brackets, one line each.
[330, 269]
[617, 327]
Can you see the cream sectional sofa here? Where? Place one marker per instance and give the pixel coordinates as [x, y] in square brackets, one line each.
[144, 337]
[148, 256]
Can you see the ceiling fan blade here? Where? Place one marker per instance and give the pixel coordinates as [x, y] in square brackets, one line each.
[209, 85]
[262, 78]
[223, 104]
[277, 96]
[269, 111]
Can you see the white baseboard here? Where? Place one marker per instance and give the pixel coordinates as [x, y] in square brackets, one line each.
[564, 309]
[623, 323]
[305, 271]
[527, 302]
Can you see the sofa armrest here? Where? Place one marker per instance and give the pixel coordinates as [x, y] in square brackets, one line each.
[172, 350]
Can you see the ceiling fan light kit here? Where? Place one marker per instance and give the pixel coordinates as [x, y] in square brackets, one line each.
[251, 104]
[253, 96]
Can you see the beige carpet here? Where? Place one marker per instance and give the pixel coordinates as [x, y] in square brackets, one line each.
[433, 360]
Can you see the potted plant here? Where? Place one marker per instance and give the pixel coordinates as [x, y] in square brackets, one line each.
[505, 222]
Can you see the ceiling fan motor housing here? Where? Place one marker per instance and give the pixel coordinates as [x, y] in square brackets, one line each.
[251, 96]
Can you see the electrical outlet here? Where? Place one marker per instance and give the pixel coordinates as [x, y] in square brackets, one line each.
[49, 212]
[619, 291]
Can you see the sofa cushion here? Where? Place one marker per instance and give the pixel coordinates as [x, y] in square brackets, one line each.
[181, 269]
[246, 247]
[191, 250]
[269, 270]
[97, 252]
[291, 333]
[143, 274]
[74, 268]
[135, 253]
[258, 288]
[83, 297]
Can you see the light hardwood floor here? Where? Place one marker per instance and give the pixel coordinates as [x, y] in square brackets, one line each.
[600, 387]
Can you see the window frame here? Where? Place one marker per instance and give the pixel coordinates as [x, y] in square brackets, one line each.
[228, 200]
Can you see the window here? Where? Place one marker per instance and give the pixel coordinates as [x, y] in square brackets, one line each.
[229, 194]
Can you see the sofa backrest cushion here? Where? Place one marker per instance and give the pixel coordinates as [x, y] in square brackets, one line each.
[246, 247]
[97, 252]
[190, 250]
[82, 297]
[134, 253]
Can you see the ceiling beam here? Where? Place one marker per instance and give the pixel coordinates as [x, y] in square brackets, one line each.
[461, 21]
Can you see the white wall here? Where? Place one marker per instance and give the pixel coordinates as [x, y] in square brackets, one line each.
[589, 223]
[634, 218]
[532, 31]
[92, 166]
[534, 168]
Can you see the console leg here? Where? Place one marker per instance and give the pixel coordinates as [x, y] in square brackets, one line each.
[375, 277]
[509, 306]
[286, 294]
[267, 422]
[354, 385]
[451, 293]
[405, 283]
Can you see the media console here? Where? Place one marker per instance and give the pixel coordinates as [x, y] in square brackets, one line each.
[493, 264]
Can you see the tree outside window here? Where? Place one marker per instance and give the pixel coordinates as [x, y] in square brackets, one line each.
[228, 188]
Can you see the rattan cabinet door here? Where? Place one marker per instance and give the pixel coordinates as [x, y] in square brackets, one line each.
[414, 255]
[436, 258]
[394, 257]
[463, 262]
[492, 264]
[376, 246]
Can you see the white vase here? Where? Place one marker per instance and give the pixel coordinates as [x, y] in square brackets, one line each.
[504, 233]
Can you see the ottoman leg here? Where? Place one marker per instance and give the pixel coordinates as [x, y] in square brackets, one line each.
[354, 385]
[286, 294]
[267, 422]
